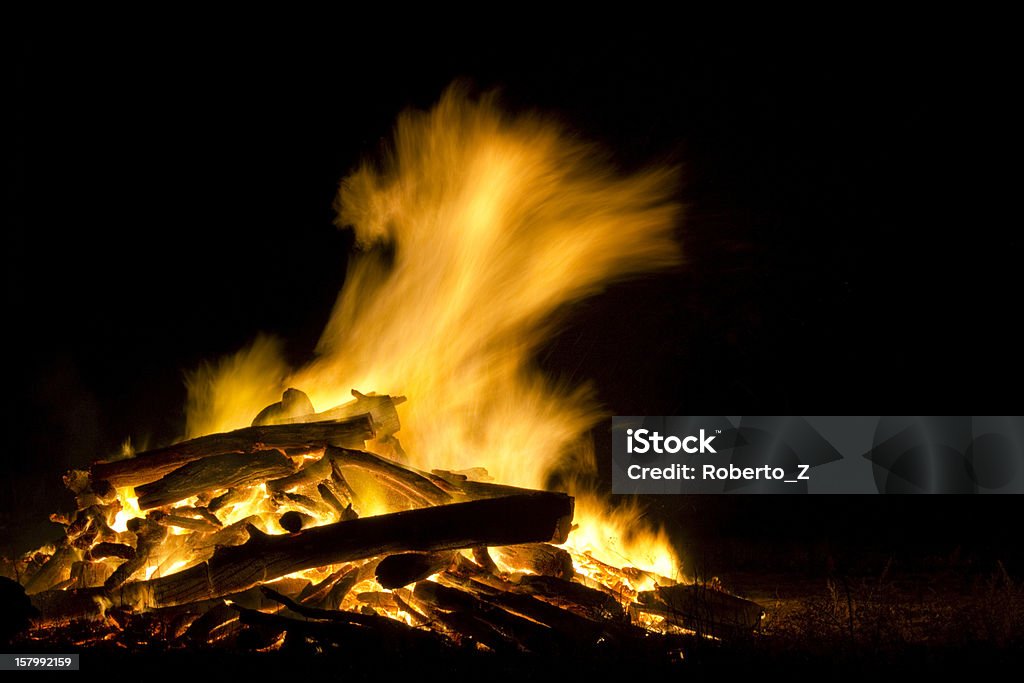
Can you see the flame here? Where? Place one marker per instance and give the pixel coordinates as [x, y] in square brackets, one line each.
[129, 509]
[475, 232]
[620, 536]
[221, 396]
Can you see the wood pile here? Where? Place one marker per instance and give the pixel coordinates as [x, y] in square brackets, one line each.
[291, 530]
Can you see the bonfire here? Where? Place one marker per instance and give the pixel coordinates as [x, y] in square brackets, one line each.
[461, 508]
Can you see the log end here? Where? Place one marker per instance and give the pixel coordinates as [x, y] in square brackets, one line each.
[293, 404]
[564, 524]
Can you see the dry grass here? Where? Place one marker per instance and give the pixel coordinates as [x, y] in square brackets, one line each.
[890, 612]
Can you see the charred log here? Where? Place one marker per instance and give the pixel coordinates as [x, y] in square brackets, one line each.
[232, 496]
[150, 536]
[401, 600]
[475, 490]
[293, 403]
[197, 524]
[199, 513]
[216, 624]
[405, 481]
[231, 535]
[313, 509]
[498, 521]
[593, 604]
[564, 621]
[87, 574]
[702, 609]
[330, 497]
[118, 550]
[337, 482]
[349, 633]
[395, 571]
[484, 559]
[314, 594]
[216, 472]
[538, 558]
[310, 474]
[339, 616]
[374, 600]
[151, 465]
[55, 571]
[339, 591]
[380, 408]
[527, 634]
[293, 521]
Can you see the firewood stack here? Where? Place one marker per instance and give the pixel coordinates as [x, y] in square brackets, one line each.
[291, 530]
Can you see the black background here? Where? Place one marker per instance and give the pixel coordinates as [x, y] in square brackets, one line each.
[172, 193]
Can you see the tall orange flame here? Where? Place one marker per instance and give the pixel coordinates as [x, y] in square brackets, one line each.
[475, 232]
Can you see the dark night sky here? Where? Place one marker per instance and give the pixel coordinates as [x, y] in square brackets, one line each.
[172, 198]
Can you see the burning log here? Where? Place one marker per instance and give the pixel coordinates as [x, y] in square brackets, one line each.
[232, 496]
[526, 633]
[405, 481]
[375, 600]
[93, 518]
[541, 515]
[401, 599]
[152, 465]
[328, 495]
[90, 526]
[118, 550]
[315, 593]
[86, 574]
[395, 571]
[309, 474]
[347, 628]
[85, 540]
[55, 571]
[339, 616]
[380, 408]
[309, 507]
[213, 473]
[293, 403]
[76, 481]
[484, 559]
[497, 521]
[216, 624]
[178, 614]
[593, 604]
[293, 521]
[554, 602]
[467, 627]
[564, 621]
[150, 535]
[199, 525]
[539, 558]
[232, 534]
[338, 592]
[338, 483]
[97, 493]
[475, 490]
[200, 513]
